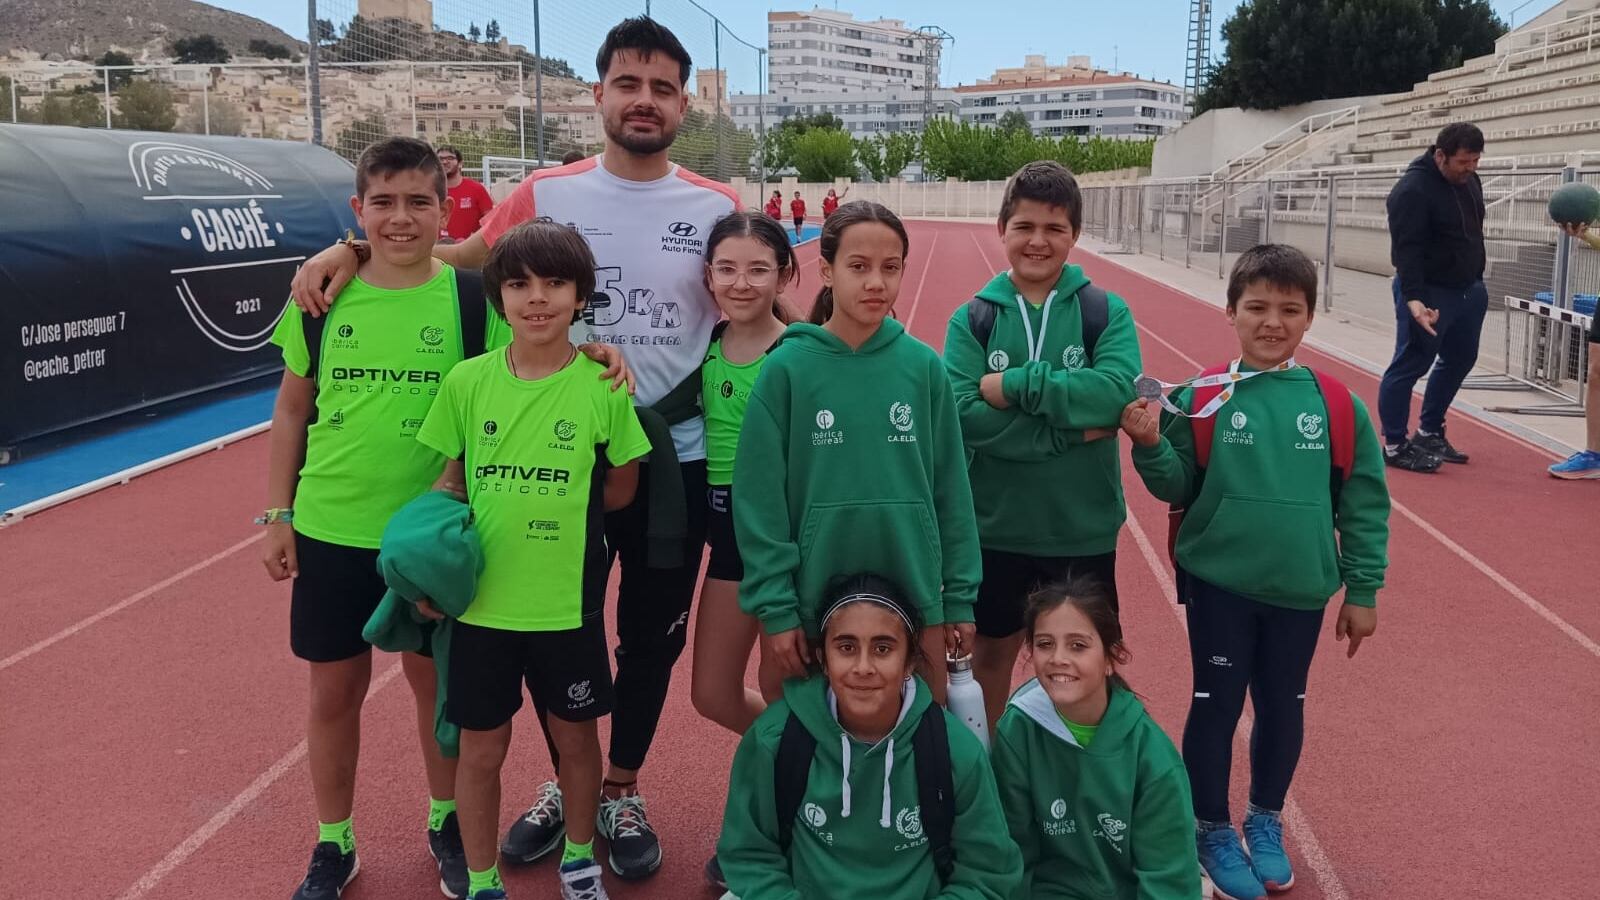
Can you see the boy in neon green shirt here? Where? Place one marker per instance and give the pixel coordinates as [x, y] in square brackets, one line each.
[545, 450]
[343, 459]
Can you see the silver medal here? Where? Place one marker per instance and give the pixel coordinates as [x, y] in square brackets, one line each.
[1147, 388]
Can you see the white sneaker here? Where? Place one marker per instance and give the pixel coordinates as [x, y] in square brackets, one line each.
[580, 880]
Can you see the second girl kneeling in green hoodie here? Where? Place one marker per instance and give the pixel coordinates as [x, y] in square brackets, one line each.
[856, 827]
[1094, 792]
[851, 459]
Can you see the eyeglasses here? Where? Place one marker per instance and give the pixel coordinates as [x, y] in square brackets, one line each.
[445, 156]
[755, 276]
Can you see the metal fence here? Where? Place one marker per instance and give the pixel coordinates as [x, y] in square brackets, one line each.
[493, 77]
[1340, 221]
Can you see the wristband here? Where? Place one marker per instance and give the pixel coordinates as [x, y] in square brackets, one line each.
[275, 515]
[363, 250]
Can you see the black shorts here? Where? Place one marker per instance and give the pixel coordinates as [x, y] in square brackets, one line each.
[568, 672]
[334, 595]
[725, 563]
[1008, 579]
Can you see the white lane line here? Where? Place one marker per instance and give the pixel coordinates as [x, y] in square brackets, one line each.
[1293, 816]
[1467, 556]
[911, 315]
[241, 801]
[123, 604]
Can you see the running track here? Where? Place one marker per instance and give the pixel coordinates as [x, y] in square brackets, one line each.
[151, 740]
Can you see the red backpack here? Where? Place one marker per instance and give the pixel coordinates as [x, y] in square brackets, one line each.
[1341, 441]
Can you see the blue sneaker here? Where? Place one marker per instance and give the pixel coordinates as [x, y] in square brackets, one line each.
[1263, 834]
[1583, 464]
[1224, 864]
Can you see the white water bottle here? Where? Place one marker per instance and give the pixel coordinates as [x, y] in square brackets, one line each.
[964, 698]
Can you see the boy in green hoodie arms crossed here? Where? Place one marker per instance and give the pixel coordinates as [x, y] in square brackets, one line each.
[1039, 402]
[1254, 616]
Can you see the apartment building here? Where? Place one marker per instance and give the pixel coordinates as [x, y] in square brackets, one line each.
[826, 51]
[864, 112]
[1076, 99]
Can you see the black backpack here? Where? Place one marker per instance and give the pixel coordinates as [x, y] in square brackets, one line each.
[469, 299]
[1092, 305]
[936, 792]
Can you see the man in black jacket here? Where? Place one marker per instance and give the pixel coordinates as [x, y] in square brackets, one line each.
[1436, 244]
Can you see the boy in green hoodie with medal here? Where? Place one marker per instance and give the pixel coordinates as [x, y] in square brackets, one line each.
[1282, 468]
[1042, 364]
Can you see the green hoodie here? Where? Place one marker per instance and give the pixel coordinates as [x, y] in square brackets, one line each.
[1037, 488]
[1261, 522]
[851, 461]
[1110, 822]
[859, 831]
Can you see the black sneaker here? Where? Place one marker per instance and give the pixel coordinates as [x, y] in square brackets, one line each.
[330, 872]
[714, 874]
[1436, 445]
[635, 850]
[445, 845]
[539, 831]
[1412, 458]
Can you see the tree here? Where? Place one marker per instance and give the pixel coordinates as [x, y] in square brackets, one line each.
[974, 153]
[713, 146]
[118, 77]
[823, 154]
[145, 106]
[778, 150]
[885, 156]
[5, 100]
[202, 48]
[326, 33]
[356, 136]
[491, 31]
[68, 108]
[270, 50]
[211, 115]
[1015, 120]
[473, 34]
[1283, 52]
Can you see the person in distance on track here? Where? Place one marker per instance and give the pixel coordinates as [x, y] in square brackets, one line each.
[1040, 393]
[1255, 609]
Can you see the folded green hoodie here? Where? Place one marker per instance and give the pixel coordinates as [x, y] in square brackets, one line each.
[1037, 488]
[859, 830]
[1113, 821]
[430, 550]
[1261, 522]
[851, 461]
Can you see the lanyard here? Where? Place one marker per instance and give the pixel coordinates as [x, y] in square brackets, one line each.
[1151, 388]
[1035, 350]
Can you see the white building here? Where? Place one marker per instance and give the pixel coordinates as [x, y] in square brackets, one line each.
[1086, 102]
[828, 51]
[864, 112]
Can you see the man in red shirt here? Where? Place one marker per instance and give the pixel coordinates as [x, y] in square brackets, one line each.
[797, 206]
[472, 200]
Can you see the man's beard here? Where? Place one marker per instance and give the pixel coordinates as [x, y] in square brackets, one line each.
[641, 144]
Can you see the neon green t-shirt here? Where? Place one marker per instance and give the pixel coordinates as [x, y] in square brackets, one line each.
[724, 393]
[533, 451]
[1083, 734]
[384, 356]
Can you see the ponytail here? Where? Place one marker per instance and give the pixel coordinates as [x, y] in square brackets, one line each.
[822, 309]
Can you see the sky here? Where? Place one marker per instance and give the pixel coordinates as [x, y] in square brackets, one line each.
[1146, 37]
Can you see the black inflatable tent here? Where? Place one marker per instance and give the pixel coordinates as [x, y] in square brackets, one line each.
[138, 267]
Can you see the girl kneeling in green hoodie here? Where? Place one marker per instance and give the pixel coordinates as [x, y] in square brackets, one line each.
[1094, 792]
[856, 827]
[850, 458]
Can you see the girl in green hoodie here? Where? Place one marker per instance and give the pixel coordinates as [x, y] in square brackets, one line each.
[851, 456]
[858, 831]
[1094, 792]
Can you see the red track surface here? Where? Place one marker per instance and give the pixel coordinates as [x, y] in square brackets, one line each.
[158, 745]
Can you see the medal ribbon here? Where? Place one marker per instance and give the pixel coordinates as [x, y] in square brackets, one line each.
[1035, 349]
[1229, 379]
